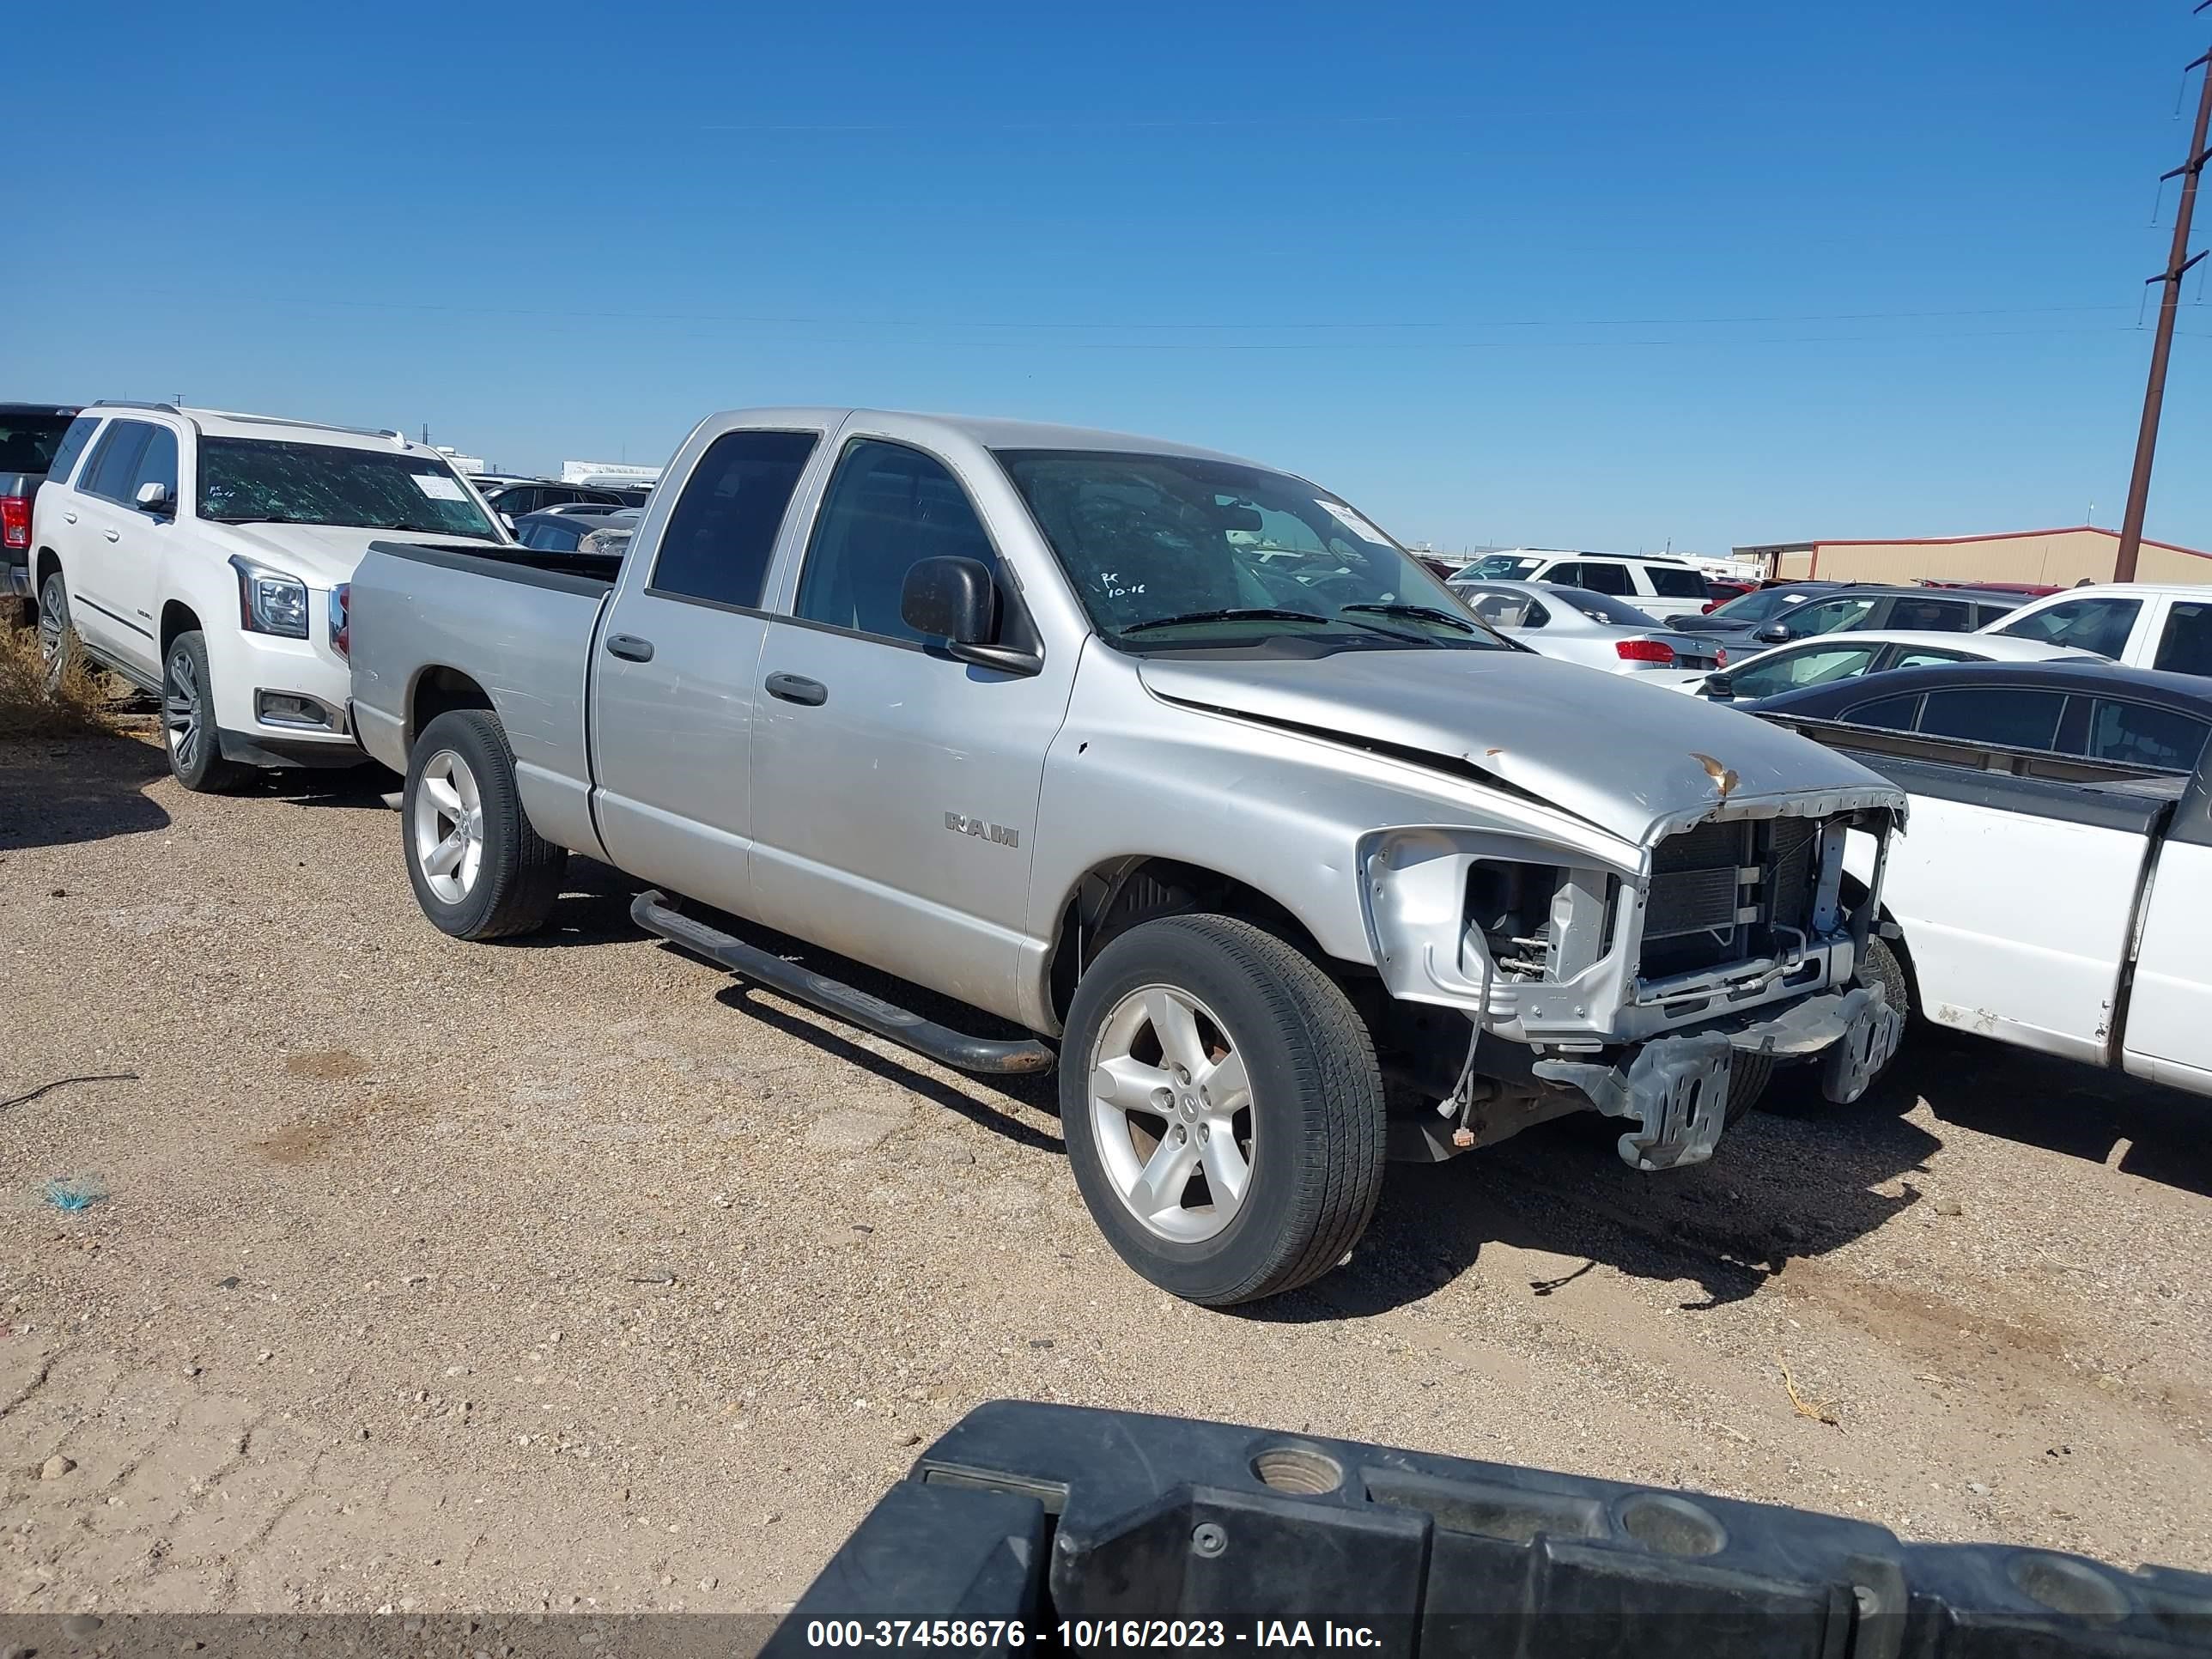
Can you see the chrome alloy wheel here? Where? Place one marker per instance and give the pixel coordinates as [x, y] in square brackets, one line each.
[1171, 1113]
[448, 827]
[184, 719]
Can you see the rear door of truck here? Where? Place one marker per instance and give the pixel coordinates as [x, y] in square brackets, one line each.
[676, 670]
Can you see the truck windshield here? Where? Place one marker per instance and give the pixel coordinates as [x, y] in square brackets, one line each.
[246, 480]
[1168, 551]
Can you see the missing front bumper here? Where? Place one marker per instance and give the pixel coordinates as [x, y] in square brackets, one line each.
[1675, 1089]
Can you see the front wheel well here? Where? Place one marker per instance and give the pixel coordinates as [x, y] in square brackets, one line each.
[1853, 892]
[440, 690]
[1115, 896]
[177, 617]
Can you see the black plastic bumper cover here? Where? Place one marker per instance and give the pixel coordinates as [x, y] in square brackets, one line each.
[1041, 1514]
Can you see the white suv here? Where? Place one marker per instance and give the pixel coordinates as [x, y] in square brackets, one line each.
[1663, 589]
[203, 556]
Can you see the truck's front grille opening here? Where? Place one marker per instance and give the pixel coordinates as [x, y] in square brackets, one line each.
[1724, 893]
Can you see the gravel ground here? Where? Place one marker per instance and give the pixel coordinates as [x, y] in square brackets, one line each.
[434, 1276]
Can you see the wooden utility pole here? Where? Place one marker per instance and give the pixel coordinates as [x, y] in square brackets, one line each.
[2177, 266]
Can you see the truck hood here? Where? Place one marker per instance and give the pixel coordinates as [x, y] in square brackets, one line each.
[1638, 761]
[320, 555]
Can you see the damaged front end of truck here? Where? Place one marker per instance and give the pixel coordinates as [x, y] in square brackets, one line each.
[1652, 983]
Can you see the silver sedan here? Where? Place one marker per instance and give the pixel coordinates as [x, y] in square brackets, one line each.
[1594, 629]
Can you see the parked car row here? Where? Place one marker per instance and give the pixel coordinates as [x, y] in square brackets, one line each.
[1168, 770]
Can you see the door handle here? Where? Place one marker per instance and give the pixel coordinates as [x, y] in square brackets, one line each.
[113, 535]
[69, 518]
[629, 647]
[795, 687]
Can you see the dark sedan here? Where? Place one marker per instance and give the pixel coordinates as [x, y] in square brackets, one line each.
[1776, 616]
[2101, 711]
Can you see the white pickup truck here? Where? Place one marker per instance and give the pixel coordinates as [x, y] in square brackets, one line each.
[2049, 901]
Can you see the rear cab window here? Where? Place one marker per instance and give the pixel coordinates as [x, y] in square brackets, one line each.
[716, 546]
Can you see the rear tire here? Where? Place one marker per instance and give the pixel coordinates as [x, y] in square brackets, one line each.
[479, 870]
[189, 731]
[1203, 1049]
[58, 650]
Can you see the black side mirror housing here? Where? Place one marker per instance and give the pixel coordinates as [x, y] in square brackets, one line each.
[1774, 634]
[1720, 687]
[956, 600]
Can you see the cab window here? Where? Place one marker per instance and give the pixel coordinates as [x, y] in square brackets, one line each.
[2186, 646]
[888, 509]
[2101, 625]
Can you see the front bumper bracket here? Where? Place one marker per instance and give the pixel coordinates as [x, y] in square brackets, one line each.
[1676, 1088]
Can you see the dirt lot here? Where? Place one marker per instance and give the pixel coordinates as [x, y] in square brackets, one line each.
[436, 1276]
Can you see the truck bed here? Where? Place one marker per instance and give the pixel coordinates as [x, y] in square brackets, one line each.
[595, 572]
[432, 621]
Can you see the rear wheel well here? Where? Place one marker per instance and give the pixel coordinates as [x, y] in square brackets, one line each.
[43, 563]
[439, 691]
[177, 617]
[1116, 896]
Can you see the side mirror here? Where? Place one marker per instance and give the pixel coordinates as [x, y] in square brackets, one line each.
[1720, 687]
[507, 519]
[1773, 633]
[957, 601]
[154, 498]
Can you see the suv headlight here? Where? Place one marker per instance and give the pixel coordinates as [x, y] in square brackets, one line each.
[268, 601]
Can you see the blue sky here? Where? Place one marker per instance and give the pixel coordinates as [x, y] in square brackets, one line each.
[1599, 275]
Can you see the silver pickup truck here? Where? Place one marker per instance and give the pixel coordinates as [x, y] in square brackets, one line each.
[1177, 763]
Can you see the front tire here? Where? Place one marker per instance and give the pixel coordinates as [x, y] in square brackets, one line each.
[188, 723]
[1222, 1110]
[478, 869]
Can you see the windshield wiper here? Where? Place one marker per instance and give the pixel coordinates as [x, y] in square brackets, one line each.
[1234, 613]
[1426, 612]
[259, 518]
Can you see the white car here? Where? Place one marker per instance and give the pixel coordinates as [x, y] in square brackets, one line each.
[203, 557]
[1594, 629]
[2165, 625]
[1826, 657]
[1665, 590]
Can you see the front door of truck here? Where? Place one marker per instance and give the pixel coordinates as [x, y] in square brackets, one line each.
[894, 788]
[674, 674]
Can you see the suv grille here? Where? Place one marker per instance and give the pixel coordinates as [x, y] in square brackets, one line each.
[1720, 891]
